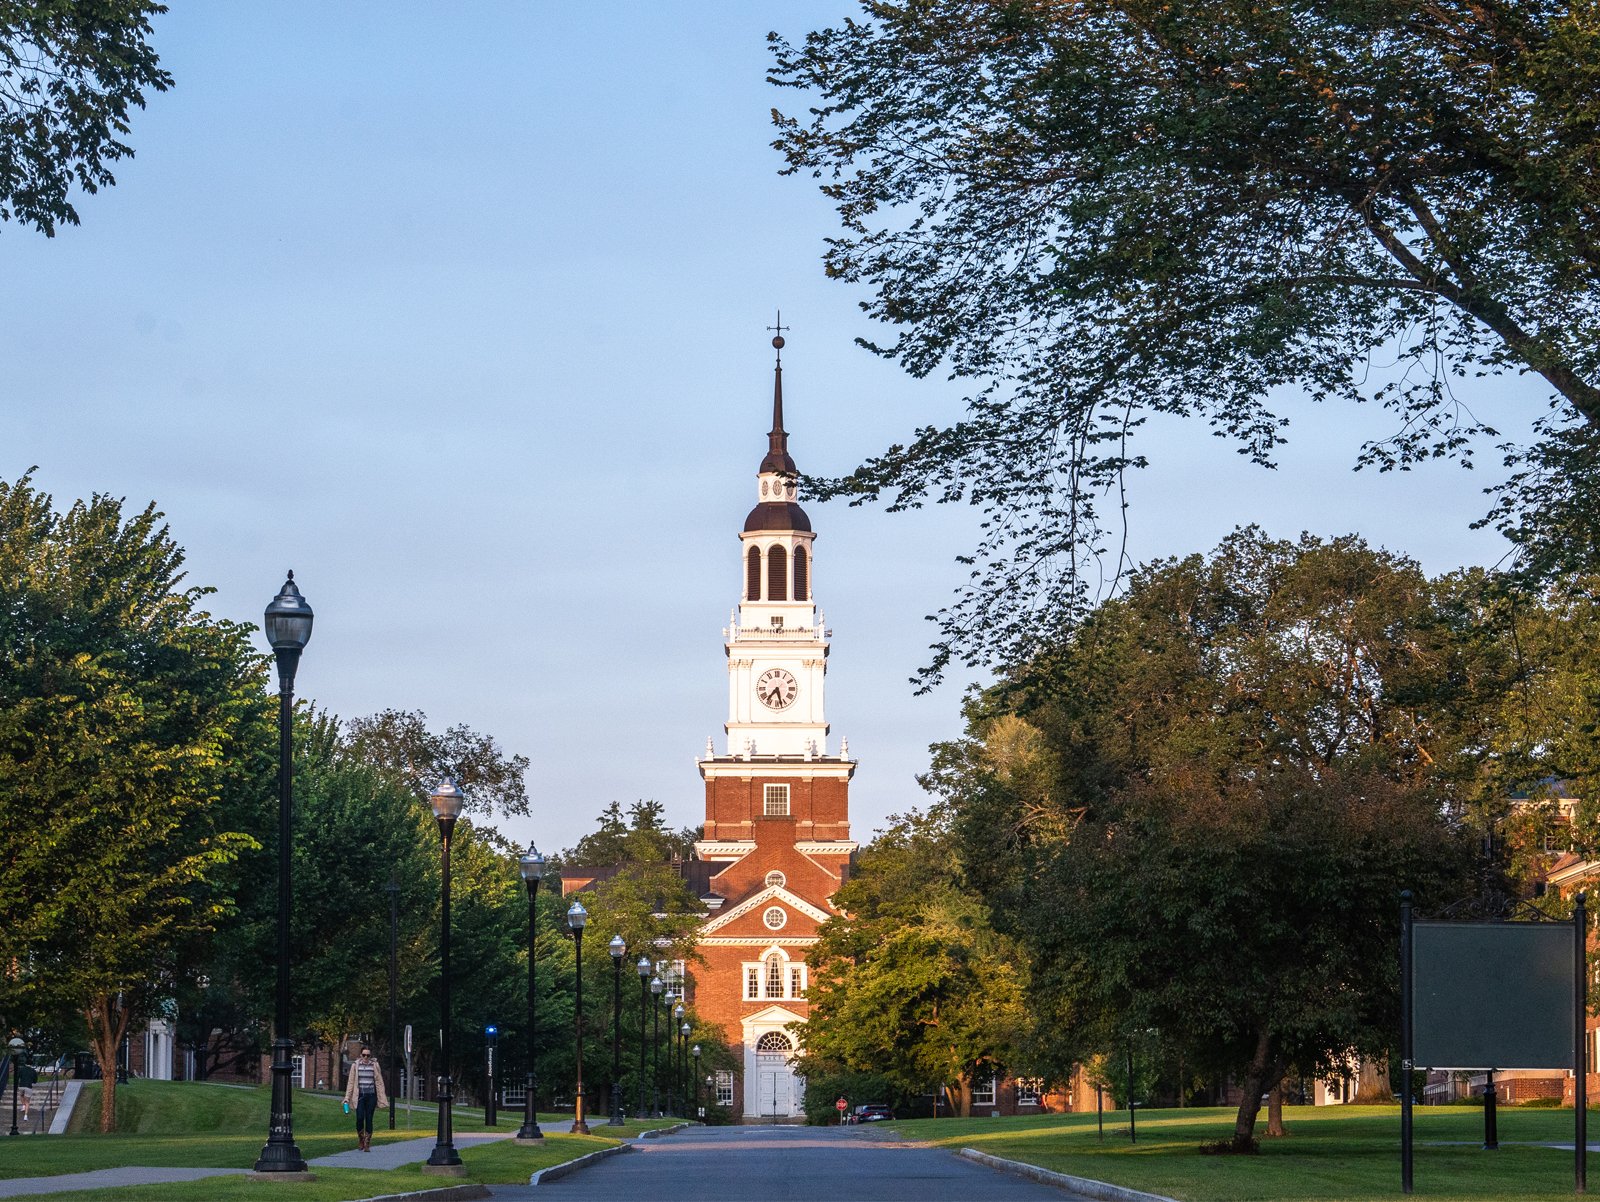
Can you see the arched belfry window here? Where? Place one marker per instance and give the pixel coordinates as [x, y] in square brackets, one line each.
[801, 584]
[777, 574]
[752, 575]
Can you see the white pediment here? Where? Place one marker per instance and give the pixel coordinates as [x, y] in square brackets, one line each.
[771, 1015]
[772, 893]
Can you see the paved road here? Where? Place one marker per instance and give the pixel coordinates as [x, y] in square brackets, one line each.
[782, 1164]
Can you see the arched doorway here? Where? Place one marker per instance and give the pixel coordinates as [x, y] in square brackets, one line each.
[777, 1090]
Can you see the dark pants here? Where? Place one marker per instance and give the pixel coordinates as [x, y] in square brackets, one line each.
[365, 1104]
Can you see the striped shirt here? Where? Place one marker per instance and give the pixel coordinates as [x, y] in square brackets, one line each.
[366, 1077]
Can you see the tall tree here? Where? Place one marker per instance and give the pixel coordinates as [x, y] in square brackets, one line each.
[1115, 209]
[70, 72]
[1197, 812]
[911, 982]
[129, 719]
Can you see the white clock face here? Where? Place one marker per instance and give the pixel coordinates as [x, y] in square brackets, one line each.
[776, 689]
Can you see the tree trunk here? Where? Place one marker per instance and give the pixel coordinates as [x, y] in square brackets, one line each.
[1264, 1073]
[1275, 1112]
[963, 1098]
[1372, 1082]
[108, 1023]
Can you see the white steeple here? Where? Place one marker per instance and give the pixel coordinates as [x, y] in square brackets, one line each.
[777, 648]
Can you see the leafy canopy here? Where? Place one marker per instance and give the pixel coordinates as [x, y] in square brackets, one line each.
[1198, 814]
[1108, 210]
[133, 727]
[70, 72]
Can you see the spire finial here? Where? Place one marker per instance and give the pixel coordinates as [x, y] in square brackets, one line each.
[778, 438]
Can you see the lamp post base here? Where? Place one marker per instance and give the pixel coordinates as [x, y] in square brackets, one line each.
[579, 1127]
[528, 1139]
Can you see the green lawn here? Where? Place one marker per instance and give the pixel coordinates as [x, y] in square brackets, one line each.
[167, 1123]
[1331, 1154]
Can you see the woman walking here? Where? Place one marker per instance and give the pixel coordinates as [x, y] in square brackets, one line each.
[365, 1090]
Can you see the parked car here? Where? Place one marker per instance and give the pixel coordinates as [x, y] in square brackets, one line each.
[874, 1112]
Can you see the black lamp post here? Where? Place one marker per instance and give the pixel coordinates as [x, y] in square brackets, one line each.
[618, 949]
[16, 1045]
[655, 1046]
[531, 865]
[393, 890]
[577, 919]
[447, 802]
[695, 1052]
[287, 624]
[643, 968]
[677, 1056]
[672, 1054]
[683, 1069]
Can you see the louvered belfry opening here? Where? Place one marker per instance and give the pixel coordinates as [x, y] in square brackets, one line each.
[752, 575]
[777, 574]
[802, 585]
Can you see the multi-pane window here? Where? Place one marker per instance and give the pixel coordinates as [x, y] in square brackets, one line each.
[774, 976]
[775, 801]
[775, 918]
[797, 983]
[1028, 1090]
[724, 1087]
[297, 1070]
[752, 981]
[983, 1093]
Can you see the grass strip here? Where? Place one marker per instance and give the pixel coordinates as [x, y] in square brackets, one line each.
[1331, 1154]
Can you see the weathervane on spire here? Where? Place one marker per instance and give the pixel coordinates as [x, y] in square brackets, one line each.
[777, 339]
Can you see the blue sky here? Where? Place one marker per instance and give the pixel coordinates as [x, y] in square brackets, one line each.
[459, 310]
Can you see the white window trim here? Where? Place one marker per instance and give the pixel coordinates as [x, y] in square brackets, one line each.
[983, 1094]
[724, 1087]
[298, 1062]
[771, 794]
[788, 967]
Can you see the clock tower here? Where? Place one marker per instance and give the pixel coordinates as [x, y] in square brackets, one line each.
[777, 827]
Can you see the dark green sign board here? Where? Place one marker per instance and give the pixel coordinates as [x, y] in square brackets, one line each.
[1493, 995]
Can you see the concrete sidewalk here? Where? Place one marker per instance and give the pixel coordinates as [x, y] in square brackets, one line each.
[105, 1178]
[395, 1154]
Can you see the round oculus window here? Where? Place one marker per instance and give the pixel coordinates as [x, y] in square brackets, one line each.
[776, 880]
[775, 917]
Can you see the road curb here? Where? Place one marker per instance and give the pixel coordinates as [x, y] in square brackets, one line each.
[556, 1171]
[1087, 1186]
[658, 1132]
[448, 1193]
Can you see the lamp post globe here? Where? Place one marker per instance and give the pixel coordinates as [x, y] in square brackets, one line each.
[287, 624]
[531, 865]
[618, 949]
[577, 919]
[448, 800]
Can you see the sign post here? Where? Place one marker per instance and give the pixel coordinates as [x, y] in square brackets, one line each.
[1527, 1007]
[491, 1037]
[411, 1081]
